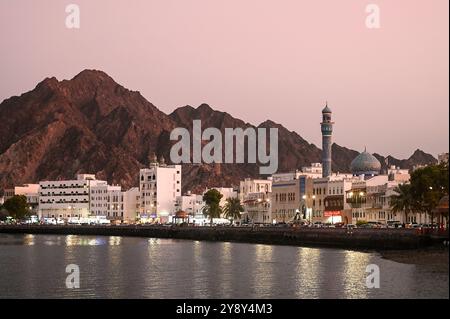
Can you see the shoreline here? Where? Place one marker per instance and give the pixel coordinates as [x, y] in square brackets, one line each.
[382, 240]
[435, 256]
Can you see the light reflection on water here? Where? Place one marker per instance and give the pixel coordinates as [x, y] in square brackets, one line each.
[124, 267]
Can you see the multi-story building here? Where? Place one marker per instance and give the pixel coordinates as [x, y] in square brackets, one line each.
[131, 204]
[313, 171]
[159, 187]
[250, 185]
[113, 203]
[398, 175]
[328, 202]
[257, 208]
[372, 203]
[255, 196]
[193, 205]
[65, 199]
[291, 198]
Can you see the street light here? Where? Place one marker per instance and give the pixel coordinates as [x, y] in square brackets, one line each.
[304, 198]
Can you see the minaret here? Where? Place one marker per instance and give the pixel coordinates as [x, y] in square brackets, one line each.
[327, 130]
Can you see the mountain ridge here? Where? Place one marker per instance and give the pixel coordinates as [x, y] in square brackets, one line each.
[92, 124]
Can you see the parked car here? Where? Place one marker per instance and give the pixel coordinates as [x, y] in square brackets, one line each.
[394, 224]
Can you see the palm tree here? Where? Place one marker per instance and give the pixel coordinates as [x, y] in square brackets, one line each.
[404, 201]
[233, 209]
[212, 207]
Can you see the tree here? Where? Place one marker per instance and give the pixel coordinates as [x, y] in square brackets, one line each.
[233, 209]
[212, 208]
[404, 201]
[3, 213]
[17, 206]
[428, 185]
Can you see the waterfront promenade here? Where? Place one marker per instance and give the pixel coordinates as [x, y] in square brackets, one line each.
[380, 239]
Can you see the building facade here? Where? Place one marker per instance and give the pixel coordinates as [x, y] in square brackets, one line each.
[113, 203]
[193, 205]
[255, 196]
[65, 199]
[159, 187]
[291, 199]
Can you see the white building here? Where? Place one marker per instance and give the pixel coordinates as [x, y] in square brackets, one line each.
[313, 171]
[131, 200]
[328, 203]
[399, 175]
[250, 185]
[257, 208]
[159, 187]
[193, 205]
[255, 197]
[69, 198]
[113, 203]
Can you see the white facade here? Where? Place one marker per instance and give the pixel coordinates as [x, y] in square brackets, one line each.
[257, 208]
[159, 187]
[371, 198]
[193, 205]
[64, 199]
[131, 204]
[106, 200]
[250, 185]
[113, 203]
[328, 202]
[313, 171]
[398, 175]
[255, 197]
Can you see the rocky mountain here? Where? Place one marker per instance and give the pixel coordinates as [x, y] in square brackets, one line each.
[91, 124]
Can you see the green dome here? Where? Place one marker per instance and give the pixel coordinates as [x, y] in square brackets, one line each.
[365, 163]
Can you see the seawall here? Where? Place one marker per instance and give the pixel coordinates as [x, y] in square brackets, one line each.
[379, 239]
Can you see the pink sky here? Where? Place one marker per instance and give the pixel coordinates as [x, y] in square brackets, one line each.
[255, 59]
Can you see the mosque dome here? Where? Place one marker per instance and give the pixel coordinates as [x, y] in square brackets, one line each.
[365, 164]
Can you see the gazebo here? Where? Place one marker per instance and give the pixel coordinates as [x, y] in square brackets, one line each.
[180, 215]
[441, 211]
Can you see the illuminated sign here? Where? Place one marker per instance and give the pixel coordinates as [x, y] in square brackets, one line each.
[331, 213]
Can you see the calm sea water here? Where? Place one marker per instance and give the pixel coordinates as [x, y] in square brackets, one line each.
[34, 266]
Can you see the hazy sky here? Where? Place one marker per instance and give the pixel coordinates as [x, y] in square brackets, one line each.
[255, 59]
